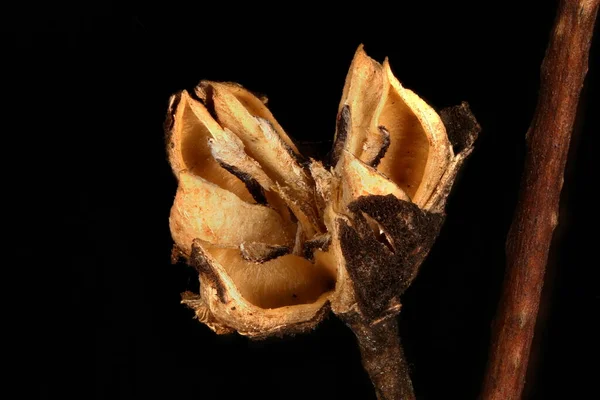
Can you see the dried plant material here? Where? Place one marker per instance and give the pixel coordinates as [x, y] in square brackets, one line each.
[243, 301]
[262, 252]
[419, 150]
[189, 150]
[264, 140]
[528, 243]
[228, 150]
[358, 179]
[203, 210]
[281, 281]
[279, 240]
[391, 128]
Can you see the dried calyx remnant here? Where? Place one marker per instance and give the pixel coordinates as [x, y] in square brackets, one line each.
[279, 240]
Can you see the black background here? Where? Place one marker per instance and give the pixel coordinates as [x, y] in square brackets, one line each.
[93, 83]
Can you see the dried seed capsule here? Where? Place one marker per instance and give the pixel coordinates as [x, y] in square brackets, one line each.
[278, 241]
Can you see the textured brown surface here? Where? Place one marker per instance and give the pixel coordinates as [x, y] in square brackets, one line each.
[461, 126]
[462, 129]
[562, 76]
[383, 358]
[380, 273]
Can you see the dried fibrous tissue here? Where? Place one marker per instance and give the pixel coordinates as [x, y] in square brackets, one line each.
[279, 240]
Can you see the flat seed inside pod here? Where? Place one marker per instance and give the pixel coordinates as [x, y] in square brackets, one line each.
[262, 252]
[320, 242]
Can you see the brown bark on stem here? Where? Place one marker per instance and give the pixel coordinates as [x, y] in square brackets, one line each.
[562, 75]
[383, 359]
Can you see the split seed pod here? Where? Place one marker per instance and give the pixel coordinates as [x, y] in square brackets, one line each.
[279, 240]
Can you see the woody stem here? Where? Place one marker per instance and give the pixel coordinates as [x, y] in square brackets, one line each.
[383, 358]
[562, 75]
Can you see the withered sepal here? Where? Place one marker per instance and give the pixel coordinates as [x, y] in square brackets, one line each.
[383, 264]
[462, 129]
[461, 126]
